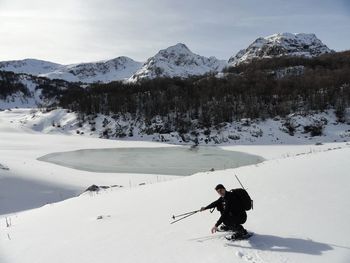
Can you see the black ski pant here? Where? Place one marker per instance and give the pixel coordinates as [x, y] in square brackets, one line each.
[235, 221]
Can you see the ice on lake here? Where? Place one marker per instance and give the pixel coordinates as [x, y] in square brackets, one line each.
[182, 160]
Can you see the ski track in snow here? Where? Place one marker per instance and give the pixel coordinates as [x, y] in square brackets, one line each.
[256, 254]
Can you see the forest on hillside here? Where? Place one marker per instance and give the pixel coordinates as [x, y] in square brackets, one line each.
[254, 90]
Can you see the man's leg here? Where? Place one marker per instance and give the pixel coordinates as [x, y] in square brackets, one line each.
[239, 229]
[230, 224]
[234, 223]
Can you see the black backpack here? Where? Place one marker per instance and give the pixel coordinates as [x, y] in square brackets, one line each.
[242, 194]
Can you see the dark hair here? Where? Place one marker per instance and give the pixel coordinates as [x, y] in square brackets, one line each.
[219, 186]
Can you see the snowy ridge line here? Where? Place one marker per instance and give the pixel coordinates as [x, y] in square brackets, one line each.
[175, 61]
[119, 68]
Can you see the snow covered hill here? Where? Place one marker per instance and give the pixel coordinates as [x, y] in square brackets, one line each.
[29, 66]
[177, 61]
[22, 92]
[300, 212]
[282, 44]
[294, 129]
[28, 91]
[119, 68]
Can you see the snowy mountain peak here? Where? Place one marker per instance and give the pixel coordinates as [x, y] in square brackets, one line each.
[281, 44]
[291, 39]
[177, 61]
[178, 48]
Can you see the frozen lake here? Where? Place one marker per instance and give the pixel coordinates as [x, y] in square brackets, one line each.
[181, 160]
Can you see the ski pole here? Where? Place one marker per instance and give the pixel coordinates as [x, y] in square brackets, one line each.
[174, 216]
[239, 181]
[191, 214]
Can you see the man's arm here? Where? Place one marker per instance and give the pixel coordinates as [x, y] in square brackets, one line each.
[224, 213]
[221, 219]
[212, 205]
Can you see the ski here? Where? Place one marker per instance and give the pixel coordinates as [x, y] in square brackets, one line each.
[247, 236]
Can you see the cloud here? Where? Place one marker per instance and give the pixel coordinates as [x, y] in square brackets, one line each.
[72, 31]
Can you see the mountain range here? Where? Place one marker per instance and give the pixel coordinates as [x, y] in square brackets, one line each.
[174, 61]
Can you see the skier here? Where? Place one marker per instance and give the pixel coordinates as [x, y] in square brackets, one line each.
[233, 215]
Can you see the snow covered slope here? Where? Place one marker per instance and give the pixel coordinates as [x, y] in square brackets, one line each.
[295, 219]
[29, 66]
[177, 61]
[119, 68]
[104, 71]
[294, 129]
[27, 91]
[27, 183]
[300, 212]
[282, 44]
[22, 93]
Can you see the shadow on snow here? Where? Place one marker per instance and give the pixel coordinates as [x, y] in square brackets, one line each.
[285, 244]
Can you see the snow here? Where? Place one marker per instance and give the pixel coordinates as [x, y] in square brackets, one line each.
[281, 44]
[29, 66]
[174, 61]
[119, 68]
[243, 132]
[19, 99]
[300, 215]
[177, 61]
[19, 150]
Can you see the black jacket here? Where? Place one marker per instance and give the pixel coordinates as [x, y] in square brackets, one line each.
[230, 208]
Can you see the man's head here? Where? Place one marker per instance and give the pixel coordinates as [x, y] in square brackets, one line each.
[221, 190]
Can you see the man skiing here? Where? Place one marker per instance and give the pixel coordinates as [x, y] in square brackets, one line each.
[233, 214]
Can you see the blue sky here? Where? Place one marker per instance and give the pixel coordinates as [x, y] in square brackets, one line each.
[69, 31]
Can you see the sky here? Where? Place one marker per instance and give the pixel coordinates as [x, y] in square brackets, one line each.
[72, 31]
